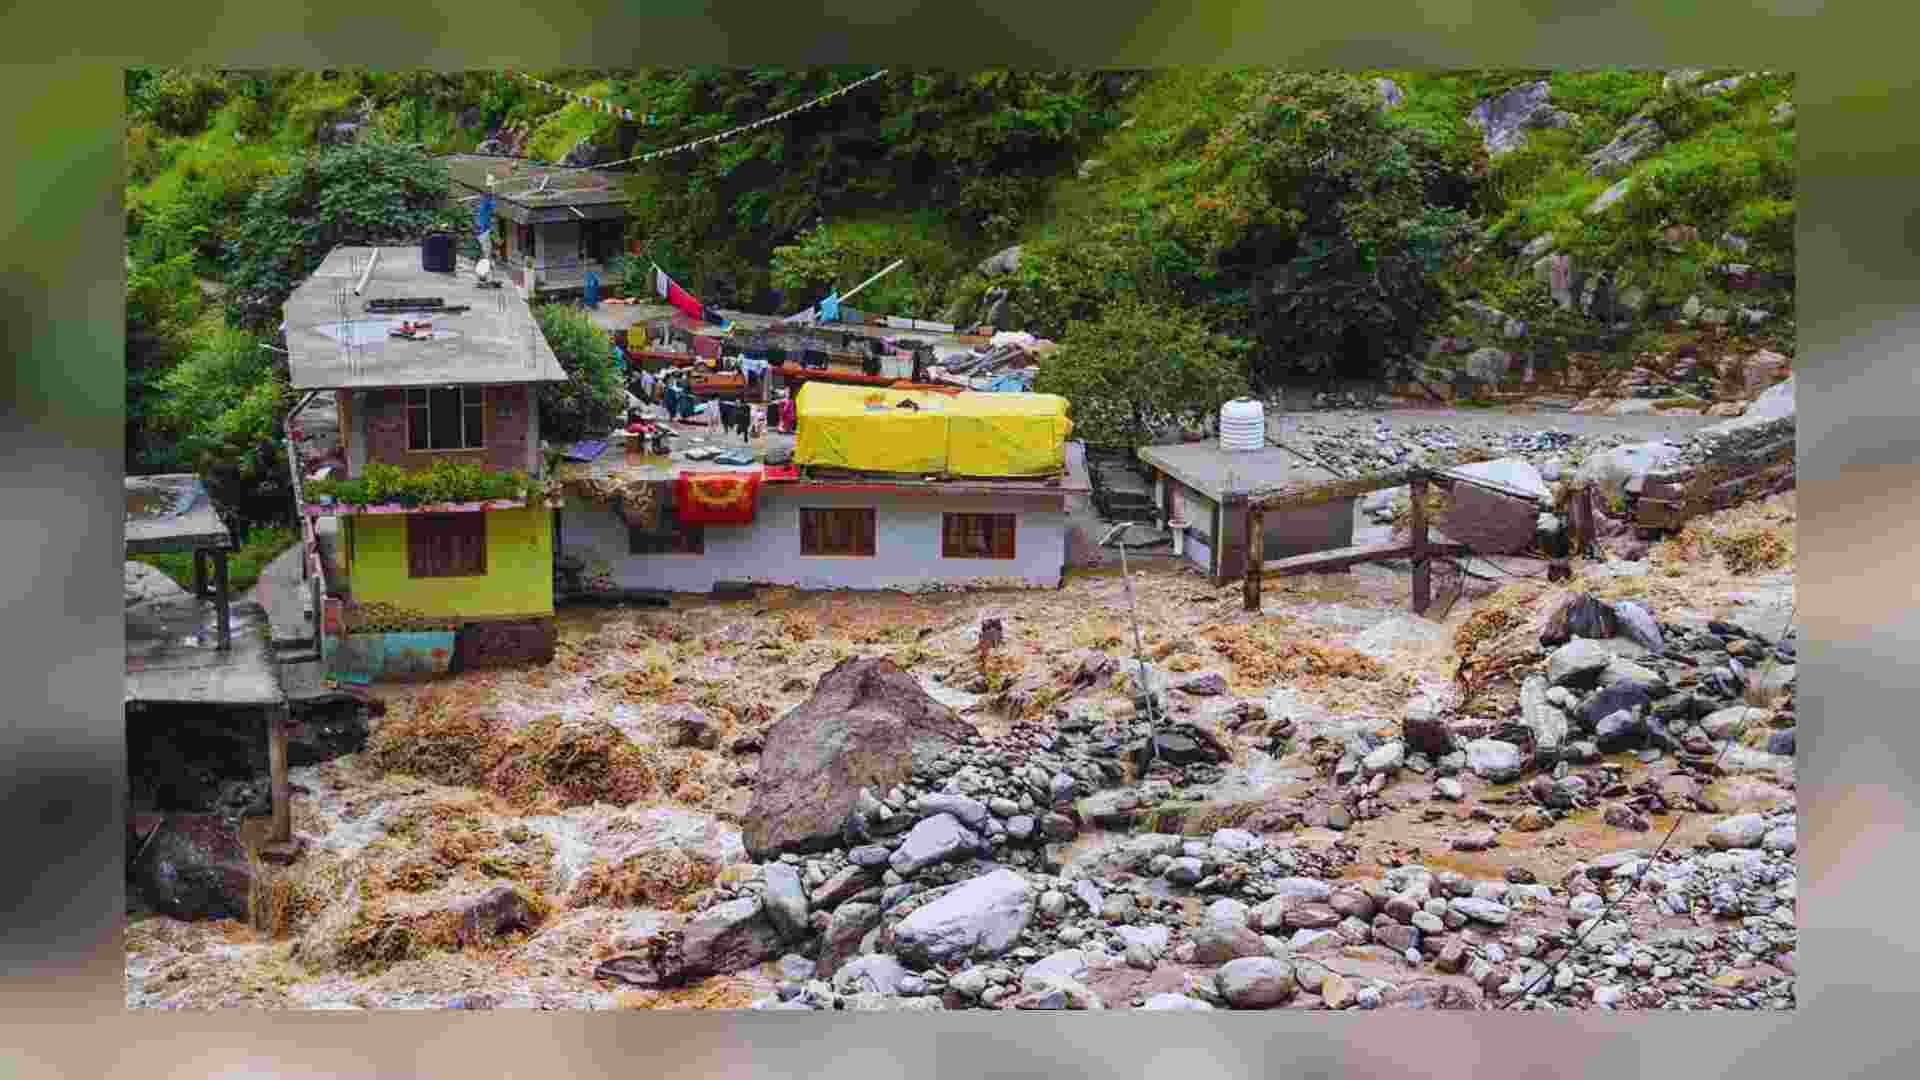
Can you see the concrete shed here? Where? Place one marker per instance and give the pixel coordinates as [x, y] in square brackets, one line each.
[1203, 485]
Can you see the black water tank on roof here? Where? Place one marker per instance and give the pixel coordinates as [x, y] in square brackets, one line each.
[436, 254]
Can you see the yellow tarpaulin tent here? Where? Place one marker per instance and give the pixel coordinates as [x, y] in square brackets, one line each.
[966, 434]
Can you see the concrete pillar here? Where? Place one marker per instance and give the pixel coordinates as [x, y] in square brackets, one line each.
[278, 720]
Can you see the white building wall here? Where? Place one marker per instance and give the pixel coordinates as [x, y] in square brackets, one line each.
[907, 543]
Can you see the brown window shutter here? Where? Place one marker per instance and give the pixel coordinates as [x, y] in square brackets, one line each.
[1003, 537]
[809, 532]
[866, 520]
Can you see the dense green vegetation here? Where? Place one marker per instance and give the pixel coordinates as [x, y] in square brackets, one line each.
[1275, 223]
[244, 566]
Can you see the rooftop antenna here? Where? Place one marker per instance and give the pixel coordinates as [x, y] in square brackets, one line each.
[1139, 649]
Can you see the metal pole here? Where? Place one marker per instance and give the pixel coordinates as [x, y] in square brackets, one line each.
[1417, 524]
[1139, 648]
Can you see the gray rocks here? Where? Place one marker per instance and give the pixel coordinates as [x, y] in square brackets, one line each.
[1547, 722]
[1185, 871]
[969, 812]
[1637, 625]
[1488, 365]
[1449, 789]
[1577, 663]
[981, 917]
[1784, 839]
[1057, 992]
[1176, 1003]
[1484, 911]
[1255, 982]
[1781, 742]
[786, 900]
[1620, 730]
[1636, 139]
[874, 974]
[1731, 723]
[1505, 120]
[865, 726]
[1611, 470]
[1491, 759]
[1479, 840]
[1386, 760]
[1739, 831]
[849, 926]
[934, 840]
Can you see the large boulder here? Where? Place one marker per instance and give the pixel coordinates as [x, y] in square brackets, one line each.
[1517, 473]
[934, 840]
[982, 917]
[196, 867]
[1489, 522]
[850, 925]
[733, 936]
[1505, 120]
[865, 726]
[1255, 982]
[1613, 471]
[1767, 426]
[1492, 759]
[1636, 139]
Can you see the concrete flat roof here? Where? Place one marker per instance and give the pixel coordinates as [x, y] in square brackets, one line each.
[171, 512]
[614, 463]
[520, 182]
[1206, 468]
[172, 658]
[494, 342]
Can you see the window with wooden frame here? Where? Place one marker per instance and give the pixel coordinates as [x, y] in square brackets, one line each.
[446, 418]
[976, 536]
[446, 545]
[836, 532]
[683, 540]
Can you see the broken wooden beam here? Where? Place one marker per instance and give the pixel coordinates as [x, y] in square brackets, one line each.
[1341, 558]
[1422, 569]
[1256, 554]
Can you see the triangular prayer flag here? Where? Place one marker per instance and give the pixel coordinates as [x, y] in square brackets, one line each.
[662, 283]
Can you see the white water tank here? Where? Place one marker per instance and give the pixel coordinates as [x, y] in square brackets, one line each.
[1243, 425]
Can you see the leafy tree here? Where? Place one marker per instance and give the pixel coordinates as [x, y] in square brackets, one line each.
[1140, 365]
[371, 192]
[1322, 214]
[593, 399]
[222, 406]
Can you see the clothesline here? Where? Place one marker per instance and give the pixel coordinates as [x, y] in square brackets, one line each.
[652, 154]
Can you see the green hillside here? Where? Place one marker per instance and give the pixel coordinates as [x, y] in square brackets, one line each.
[1355, 223]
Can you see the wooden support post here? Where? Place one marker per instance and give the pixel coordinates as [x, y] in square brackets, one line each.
[199, 574]
[222, 603]
[1422, 570]
[278, 720]
[1256, 555]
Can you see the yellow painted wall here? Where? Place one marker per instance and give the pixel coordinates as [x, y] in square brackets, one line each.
[519, 579]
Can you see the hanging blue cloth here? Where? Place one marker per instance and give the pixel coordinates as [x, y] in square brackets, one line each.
[593, 288]
[483, 215]
[830, 307]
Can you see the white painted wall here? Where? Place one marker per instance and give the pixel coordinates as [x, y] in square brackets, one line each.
[907, 535]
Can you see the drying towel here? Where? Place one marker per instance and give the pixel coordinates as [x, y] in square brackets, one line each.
[716, 498]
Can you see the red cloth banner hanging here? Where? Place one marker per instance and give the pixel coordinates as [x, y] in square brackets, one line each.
[684, 300]
[716, 498]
